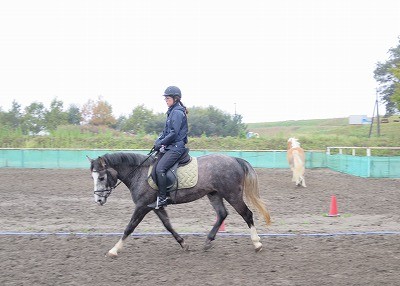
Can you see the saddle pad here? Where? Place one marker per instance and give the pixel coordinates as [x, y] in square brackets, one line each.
[187, 175]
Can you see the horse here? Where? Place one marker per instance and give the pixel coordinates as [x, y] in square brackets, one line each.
[220, 177]
[297, 161]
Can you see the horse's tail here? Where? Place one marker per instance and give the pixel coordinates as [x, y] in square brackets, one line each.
[298, 164]
[251, 189]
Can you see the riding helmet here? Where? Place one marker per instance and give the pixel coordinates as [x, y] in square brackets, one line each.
[173, 91]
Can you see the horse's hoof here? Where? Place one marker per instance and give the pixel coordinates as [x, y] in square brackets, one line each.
[185, 247]
[111, 254]
[208, 245]
[258, 249]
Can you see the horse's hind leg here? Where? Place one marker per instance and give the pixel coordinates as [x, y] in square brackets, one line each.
[303, 182]
[240, 206]
[163, 216]
[219, 207]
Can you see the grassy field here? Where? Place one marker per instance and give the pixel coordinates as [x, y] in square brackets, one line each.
[315, 134]
[321, 133]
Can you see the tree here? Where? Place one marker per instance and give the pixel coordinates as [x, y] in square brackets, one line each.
[13, 118]
[34, 118]
[156, 125]
[87, 111]
[139, 120]
[55, 116]
[74, 115]
[385, 75]
[214, 122]
[98, 113]
[396, 93]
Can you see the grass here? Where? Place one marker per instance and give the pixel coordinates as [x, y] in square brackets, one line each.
[316, 134]
[321, 133]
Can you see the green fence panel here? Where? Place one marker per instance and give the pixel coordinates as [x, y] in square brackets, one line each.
[52, 158]
[369, 166]
[269, 159]
[385, 167]
[62, 158]
[353, 165]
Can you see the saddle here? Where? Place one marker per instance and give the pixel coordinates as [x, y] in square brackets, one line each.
[183, 174]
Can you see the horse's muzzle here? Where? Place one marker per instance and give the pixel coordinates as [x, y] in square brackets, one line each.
[100, 200]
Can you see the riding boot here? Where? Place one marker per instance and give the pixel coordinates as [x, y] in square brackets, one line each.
[162, 199]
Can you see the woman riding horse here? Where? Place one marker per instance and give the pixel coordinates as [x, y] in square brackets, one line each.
[172, 142]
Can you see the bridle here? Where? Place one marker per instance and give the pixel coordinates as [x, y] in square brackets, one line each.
[107, 192]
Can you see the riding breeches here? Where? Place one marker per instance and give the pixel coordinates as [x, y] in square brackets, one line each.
[166, 161]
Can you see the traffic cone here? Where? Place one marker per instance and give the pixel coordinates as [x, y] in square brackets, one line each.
[222, 227]
[333, 211]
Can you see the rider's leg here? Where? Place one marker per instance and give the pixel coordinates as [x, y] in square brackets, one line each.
[166, 162]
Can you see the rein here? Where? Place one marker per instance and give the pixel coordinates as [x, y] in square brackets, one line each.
[152, 151]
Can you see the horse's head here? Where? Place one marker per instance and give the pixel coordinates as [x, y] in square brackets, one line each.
[104, 179]
[293, 143]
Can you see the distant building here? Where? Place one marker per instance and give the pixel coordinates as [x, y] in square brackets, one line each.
[252, 134]
[359, 119]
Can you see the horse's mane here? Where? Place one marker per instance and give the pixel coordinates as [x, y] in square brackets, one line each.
[294, 142]
[129, 159]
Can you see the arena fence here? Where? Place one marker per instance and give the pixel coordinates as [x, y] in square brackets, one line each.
[367, 166]
[363, 166]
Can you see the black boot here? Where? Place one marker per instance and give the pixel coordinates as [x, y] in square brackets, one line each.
[162, 199]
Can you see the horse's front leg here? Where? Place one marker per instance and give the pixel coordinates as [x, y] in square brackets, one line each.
[163, 216]
[136, 218]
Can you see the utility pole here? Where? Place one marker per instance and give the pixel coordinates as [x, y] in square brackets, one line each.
[377, 117]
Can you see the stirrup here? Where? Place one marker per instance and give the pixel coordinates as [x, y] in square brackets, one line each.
[159, 203]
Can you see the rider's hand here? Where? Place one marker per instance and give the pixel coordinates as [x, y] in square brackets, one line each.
[157, 147]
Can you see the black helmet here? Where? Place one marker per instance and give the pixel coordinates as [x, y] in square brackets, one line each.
[173, 91]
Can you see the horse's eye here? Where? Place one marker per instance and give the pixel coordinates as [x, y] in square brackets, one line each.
[101, 179]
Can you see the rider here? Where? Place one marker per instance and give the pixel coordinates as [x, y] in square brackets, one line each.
[171, 143]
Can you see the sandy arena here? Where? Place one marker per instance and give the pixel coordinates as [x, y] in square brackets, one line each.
[302, 246]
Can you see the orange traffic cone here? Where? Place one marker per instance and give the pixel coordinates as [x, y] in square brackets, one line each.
[333, 211]
[222, 226]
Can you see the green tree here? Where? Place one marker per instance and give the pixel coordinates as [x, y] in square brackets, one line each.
[34, 118]
[139, 120]
[120, 122]
[385, 75]
[13, 118]
[213, 122]
[74, 115]
[396, 93]
[55, 116]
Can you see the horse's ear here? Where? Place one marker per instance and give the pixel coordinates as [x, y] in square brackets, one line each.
[102, 162]
[113, 173]
[90, 160]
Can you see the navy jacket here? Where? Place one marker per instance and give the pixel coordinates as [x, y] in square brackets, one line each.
[174, 135]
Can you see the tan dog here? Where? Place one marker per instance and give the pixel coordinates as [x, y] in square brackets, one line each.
[297, 161]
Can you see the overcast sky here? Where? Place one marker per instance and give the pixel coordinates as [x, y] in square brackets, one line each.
[268, 60]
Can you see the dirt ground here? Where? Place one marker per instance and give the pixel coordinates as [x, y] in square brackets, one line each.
[52, 233]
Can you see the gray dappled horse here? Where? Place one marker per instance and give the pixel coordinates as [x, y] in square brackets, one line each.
[219, 177]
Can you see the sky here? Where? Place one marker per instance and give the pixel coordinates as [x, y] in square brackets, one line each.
[265, 60]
